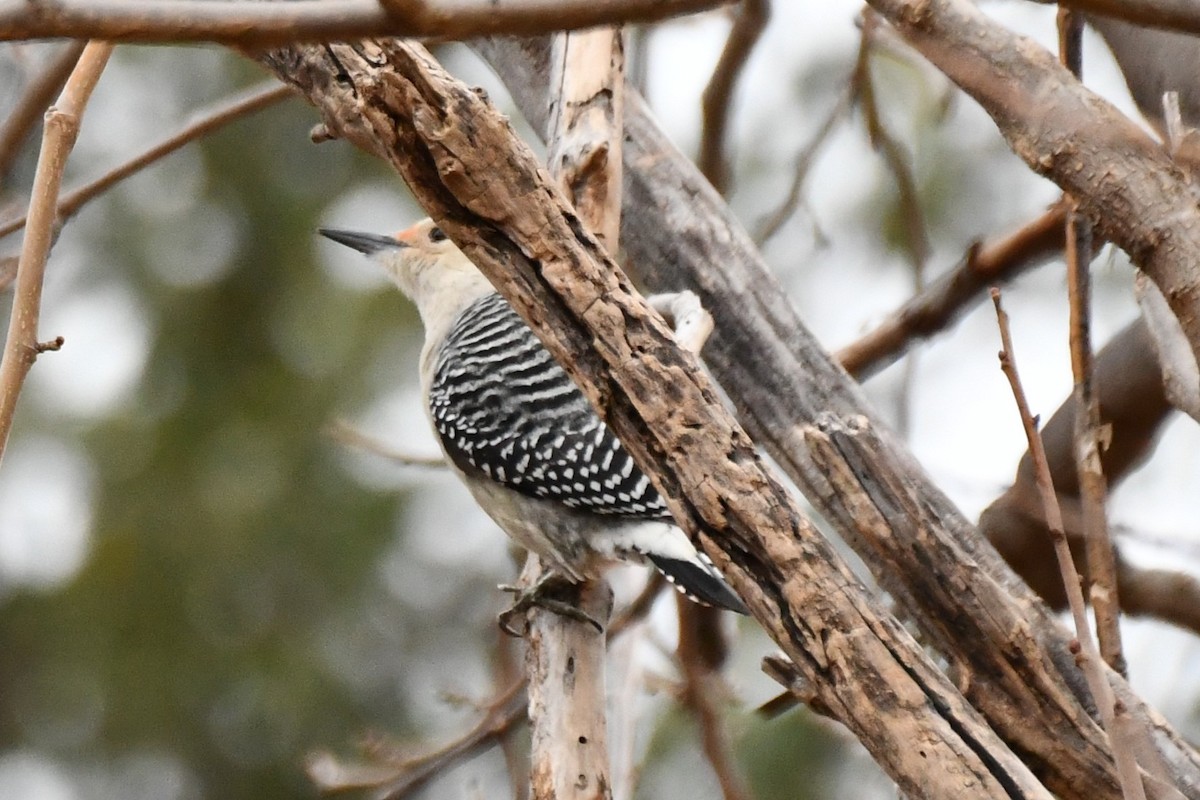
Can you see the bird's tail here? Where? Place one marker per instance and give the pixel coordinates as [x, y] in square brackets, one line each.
[698, 580]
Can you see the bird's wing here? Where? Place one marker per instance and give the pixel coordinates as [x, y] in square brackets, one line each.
[505, 410]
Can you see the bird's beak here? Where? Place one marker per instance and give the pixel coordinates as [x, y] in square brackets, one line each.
[367, 243]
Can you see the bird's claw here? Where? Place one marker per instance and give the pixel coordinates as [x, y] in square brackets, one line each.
[540, 595]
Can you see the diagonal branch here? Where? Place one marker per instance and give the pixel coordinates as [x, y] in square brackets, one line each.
[1087, 654]
[33, 102]
[1122, 180]
[939, 304]
[205, 121]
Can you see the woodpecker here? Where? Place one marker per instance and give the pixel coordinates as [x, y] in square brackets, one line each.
[519, 432]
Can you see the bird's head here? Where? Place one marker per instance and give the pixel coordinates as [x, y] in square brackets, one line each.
[423, 262]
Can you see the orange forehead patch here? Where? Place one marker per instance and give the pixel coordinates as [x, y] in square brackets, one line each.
[409, 234]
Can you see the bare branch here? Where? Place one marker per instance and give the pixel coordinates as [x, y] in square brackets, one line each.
[568, 747]
[1123, 180]
[700, 654]
[247, 24]
[585, 146]
[398, 777]
[410, 775]
[343, 432]
[749, 21]
[1087, 655]
[771, 223]
[1090, 440]
[204, 122]
[21, 348]
[1129, 386]
[1088, 434]
[892, 151]
[32, 105]
[932, 310]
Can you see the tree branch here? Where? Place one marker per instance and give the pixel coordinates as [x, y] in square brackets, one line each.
[1088, 434]
[890, 150]
[1122, 180]
[749, 21]
[205, 121]
[1129, 388]
[21, 348]
[1087, 654]
[249, 24]
[32, 104]
[568, 717]
[344, 433]
[935, 308]
[396, 778]
[406, 776]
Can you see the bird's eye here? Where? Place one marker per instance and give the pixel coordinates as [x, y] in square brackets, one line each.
[436, 235]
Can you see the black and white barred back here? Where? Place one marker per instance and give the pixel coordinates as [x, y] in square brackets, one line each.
[506, 410]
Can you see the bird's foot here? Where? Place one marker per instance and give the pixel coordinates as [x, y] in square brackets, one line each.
[545, 593]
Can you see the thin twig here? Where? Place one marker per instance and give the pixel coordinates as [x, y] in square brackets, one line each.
[984, 264]
[1089, 441]
[897, 162]
[771, 223]
[343, 432]
[264, 24]
[1088, 434]
[702, 647]
[501, 714]
[749, 21]
[204, 122]
[703, 692]
[21, 348]
[891, 150]
[785, 673]
[1114, 716]
[508, 668]
[33, 102]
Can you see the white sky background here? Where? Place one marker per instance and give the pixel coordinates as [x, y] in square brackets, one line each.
[963, 426]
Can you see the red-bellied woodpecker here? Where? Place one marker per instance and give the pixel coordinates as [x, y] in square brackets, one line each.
[520, 433]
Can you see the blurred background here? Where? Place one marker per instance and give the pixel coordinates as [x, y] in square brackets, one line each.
[200, 584]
